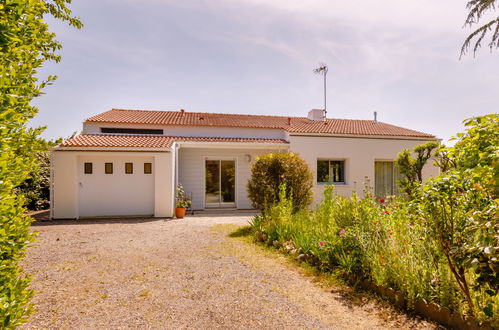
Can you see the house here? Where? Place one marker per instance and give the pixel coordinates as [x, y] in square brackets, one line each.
[128, 162]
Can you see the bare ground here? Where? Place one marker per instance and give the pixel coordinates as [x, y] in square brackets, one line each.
[151, 274]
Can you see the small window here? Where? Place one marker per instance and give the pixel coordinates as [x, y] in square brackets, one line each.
[128, 168]
[147, 168]
[108, 168]
[88, 168]
[331, 171]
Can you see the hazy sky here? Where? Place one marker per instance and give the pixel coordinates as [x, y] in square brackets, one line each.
[397, 57]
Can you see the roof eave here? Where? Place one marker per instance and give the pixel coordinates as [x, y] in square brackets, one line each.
[367, 136]
[123, 149]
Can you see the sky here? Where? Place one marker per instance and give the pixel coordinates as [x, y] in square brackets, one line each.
[396, 57]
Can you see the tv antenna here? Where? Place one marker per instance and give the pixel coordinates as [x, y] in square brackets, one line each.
[322, 70]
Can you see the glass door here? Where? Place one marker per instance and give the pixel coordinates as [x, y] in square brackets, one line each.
[386, 176]
[220, 179]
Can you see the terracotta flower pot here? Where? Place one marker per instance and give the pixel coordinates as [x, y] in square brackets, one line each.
[180, 212]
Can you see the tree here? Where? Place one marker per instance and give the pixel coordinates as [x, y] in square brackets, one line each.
[412, 168]
[25, 44]
[270, 171]
[462, 208]
[477, 9]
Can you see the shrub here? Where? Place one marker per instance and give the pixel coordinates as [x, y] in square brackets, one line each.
[36, 188]
[26, 44]
[271, 170]
[441, 245]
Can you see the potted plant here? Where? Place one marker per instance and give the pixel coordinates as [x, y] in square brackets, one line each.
[182, 202]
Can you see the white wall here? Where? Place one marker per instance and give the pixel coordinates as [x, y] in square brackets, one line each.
[64, 180]
[192, 172]
[197, 131]
[359, 155]
[76, 194]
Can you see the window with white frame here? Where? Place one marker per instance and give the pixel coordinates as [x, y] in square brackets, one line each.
[331, 171]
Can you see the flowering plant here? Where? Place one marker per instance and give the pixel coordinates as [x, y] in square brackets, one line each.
[182, 200]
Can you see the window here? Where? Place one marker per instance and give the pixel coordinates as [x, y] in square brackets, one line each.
[331, 171]
[128, 168]
[108, 168]
[386, 177]
[147, 168]
[131, 131]
[88, 168]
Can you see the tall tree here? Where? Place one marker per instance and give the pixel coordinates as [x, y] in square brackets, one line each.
[25, 44]
[477, 9]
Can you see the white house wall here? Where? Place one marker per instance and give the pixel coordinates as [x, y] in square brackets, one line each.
[76, 194]
[192, 171]
[359, 155]
[197, 131]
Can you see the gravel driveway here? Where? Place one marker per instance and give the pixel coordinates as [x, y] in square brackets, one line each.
[148, 273]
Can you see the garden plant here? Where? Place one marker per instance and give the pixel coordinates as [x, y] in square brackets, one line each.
[440, 245]
[25, 45]
[271, 170]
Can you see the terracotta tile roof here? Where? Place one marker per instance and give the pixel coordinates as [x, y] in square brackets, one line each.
[148, 141]
[293, 125]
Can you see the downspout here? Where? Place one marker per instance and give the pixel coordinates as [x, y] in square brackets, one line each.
[176, 165]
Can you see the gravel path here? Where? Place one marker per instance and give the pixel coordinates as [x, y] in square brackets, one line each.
[151, 274]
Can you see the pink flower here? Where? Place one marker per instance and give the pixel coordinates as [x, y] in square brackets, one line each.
[342, 231]
[321, 243]
[382, 200]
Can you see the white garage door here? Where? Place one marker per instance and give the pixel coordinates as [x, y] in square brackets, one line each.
[124, 190]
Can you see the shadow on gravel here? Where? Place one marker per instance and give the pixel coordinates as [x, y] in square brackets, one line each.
[242, 232]
[42, 218]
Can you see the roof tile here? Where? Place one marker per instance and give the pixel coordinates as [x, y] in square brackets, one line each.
[292, 125]
[148, 141]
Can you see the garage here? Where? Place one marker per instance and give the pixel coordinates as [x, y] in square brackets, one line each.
[115, 185]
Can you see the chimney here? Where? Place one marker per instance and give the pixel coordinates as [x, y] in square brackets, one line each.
[289, 120]
[317, 115]
[182, 112]
[375, 117]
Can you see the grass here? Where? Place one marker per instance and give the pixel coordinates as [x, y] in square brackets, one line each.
[264, 257]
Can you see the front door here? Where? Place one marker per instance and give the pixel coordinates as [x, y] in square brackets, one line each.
[220, 179]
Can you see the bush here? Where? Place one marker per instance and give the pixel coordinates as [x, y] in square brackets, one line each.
[271, 170]
[36, 188]
[441, 245]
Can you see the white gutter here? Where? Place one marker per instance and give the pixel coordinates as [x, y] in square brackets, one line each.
[244, 145]
[354, 136]
[111, 149]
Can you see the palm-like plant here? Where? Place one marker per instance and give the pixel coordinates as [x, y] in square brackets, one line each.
[477, 9]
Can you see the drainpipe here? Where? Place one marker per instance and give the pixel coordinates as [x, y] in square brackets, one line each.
[176, 166]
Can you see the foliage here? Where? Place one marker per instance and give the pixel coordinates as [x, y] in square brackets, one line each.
[181, 198]
[477, 9]
[463, 205]
[412, 168]
[25, 44]
[271, 170]
[441, 246]
[477, 151]
[36, 187]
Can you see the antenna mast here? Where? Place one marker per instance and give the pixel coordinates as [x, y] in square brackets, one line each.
[323, 69]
